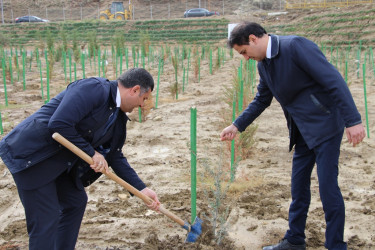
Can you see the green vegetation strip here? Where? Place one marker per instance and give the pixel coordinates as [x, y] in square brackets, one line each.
[363, 12]
[175, 29]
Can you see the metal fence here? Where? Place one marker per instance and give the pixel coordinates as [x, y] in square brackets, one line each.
[302, 4]
[171, 10]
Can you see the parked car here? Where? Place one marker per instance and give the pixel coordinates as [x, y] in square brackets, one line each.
[31, 19]
[198, 12]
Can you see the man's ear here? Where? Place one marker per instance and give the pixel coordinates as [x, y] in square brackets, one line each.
[252, 38]
[136, 89]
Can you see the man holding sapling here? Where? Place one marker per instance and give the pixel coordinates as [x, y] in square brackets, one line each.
[318, 106]
[91, 113]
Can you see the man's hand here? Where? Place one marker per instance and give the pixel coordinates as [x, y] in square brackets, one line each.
[150, 193]
[355, 134]
[100, 164]
[228, 133]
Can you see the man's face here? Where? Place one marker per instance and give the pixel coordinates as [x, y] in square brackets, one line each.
[132, 97]
[253, 50]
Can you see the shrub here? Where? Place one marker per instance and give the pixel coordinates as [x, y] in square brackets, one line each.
[93, 43]
[50, 42]
[245, 140]
[263, 4]
[144, 40]
[4, 40]
[216, 182]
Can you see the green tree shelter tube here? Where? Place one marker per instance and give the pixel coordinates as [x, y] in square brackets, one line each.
[24, 69]
[365, 94]
[157, 86]
[193, 162]
[1, 125]
[4, 80]
[232, 146]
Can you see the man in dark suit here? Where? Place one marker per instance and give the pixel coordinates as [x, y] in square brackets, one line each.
[91, 113]
[318, 106]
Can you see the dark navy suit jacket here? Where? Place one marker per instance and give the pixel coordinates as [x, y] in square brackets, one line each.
[311, 92]
[80, 114]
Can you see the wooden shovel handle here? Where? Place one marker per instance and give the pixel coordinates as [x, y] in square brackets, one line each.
[59, 138]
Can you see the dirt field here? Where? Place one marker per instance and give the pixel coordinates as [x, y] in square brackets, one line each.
[158, 148]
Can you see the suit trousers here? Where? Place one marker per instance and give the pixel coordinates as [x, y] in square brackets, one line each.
[326, 156]
[54, 213]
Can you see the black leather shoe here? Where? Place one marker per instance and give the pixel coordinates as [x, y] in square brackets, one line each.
[285, 245]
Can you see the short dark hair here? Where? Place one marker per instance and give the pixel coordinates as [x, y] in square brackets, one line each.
[137, 76]
[240, 34]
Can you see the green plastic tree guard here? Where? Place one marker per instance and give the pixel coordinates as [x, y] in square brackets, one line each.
[193, 162]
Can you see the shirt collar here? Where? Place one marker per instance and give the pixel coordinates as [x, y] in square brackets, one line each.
[118, 98]
[268, 53]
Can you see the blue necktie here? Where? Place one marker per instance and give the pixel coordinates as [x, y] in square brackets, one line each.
[111, 120]
[268, 61]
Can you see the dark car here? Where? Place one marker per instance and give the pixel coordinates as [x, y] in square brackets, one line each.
[31, 19]
[198, 12]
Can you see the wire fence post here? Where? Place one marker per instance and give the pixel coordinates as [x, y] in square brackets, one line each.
[157, 11]
[169, 10]
[2, 12]
[98, 10]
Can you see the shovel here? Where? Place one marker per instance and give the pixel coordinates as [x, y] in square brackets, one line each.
[194, 230]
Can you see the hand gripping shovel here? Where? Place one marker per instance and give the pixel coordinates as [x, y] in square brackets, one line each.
[194, 230]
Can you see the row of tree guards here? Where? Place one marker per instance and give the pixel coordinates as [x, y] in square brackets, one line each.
[340, 57]
[336, 56]
[17, 62]
[245, 83]
[76, 62]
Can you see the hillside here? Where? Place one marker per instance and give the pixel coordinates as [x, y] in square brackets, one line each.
[328, 27]
[142, 9]
[334, 26]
